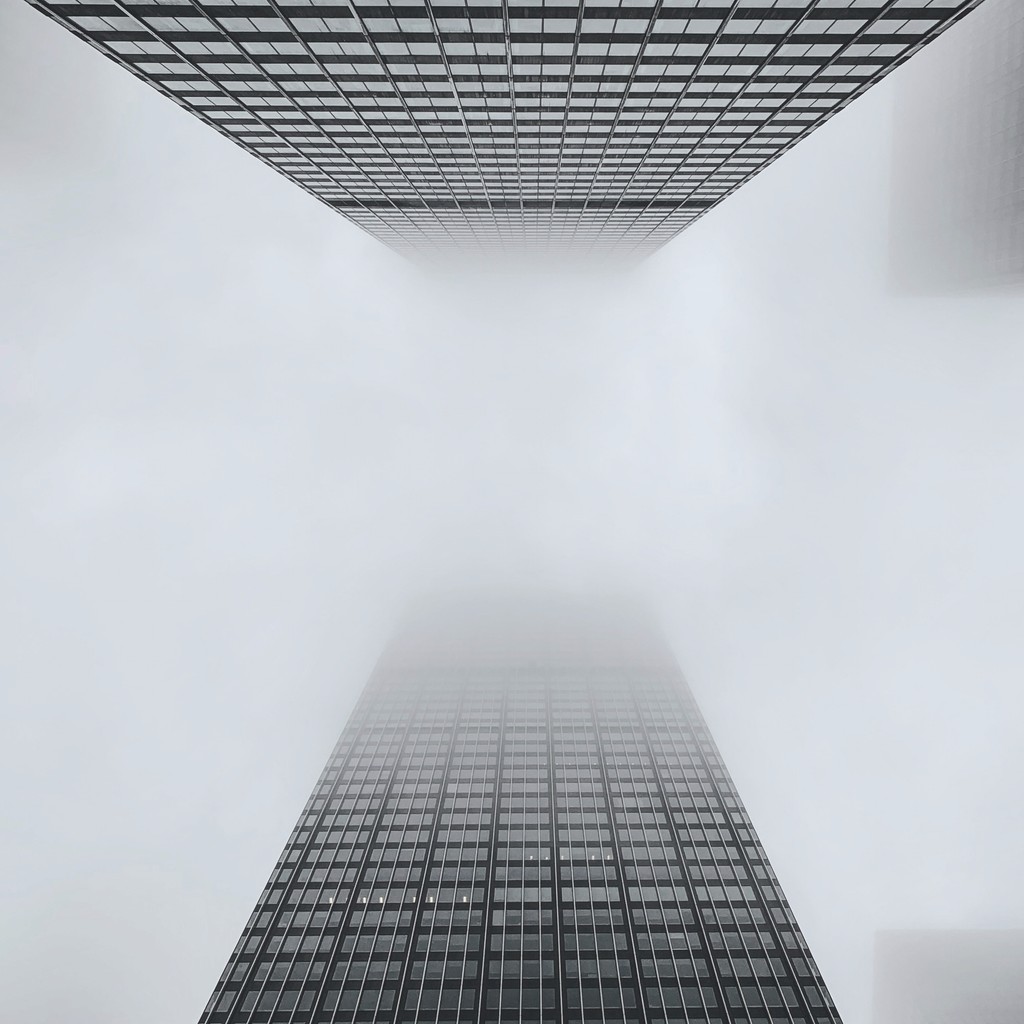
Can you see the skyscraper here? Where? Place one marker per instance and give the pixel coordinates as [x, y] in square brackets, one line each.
[958, 197]
[525, 819]
[949, 976]
[591, 127]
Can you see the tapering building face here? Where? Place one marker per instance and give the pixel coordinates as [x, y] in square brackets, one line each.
[958, 203]
[525, 820]
[593, 127]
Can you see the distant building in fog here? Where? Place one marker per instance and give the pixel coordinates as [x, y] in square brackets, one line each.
[958, 176]
[949, 977]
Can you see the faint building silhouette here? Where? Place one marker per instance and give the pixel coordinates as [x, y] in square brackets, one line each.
[949, 977]
[958, 196]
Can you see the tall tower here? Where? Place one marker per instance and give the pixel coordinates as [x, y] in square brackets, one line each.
[525, 820]
[958, 170]
[965, 976]
[590, 127]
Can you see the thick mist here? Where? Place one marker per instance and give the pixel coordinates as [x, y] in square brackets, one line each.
[237, 436]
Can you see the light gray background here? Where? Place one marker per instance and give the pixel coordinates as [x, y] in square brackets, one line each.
[236, 434]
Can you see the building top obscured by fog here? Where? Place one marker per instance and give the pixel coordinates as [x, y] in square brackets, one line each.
[529, 628]
[958, 175]
[949, 977]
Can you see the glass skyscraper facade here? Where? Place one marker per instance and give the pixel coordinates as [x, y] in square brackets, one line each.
[525, 819]
[603, 126]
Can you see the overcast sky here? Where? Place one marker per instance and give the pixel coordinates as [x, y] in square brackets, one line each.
[236, 434]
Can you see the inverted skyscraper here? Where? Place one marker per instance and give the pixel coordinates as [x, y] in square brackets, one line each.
[592, 127]
[525, 820]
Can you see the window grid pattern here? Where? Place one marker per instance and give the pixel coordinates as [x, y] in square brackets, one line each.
[522, 842]
[606, 126]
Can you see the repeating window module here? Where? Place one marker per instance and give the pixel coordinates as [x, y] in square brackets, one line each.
[605, 126]
[522, 840]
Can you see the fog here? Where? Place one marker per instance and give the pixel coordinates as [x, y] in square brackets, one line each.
[238, 436]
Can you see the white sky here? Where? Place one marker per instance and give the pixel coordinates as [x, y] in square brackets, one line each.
[235, 434]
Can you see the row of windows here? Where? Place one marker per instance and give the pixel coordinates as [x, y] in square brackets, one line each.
[380, 15]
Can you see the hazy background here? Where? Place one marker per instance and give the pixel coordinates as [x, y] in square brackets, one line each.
[236, 434]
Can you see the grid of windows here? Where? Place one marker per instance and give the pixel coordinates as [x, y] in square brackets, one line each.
[523, 836]
[599, 126]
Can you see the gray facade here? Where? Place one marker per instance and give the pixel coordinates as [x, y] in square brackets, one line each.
[603, 127]
[949, 977]
[958, 196]
[525, 819]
